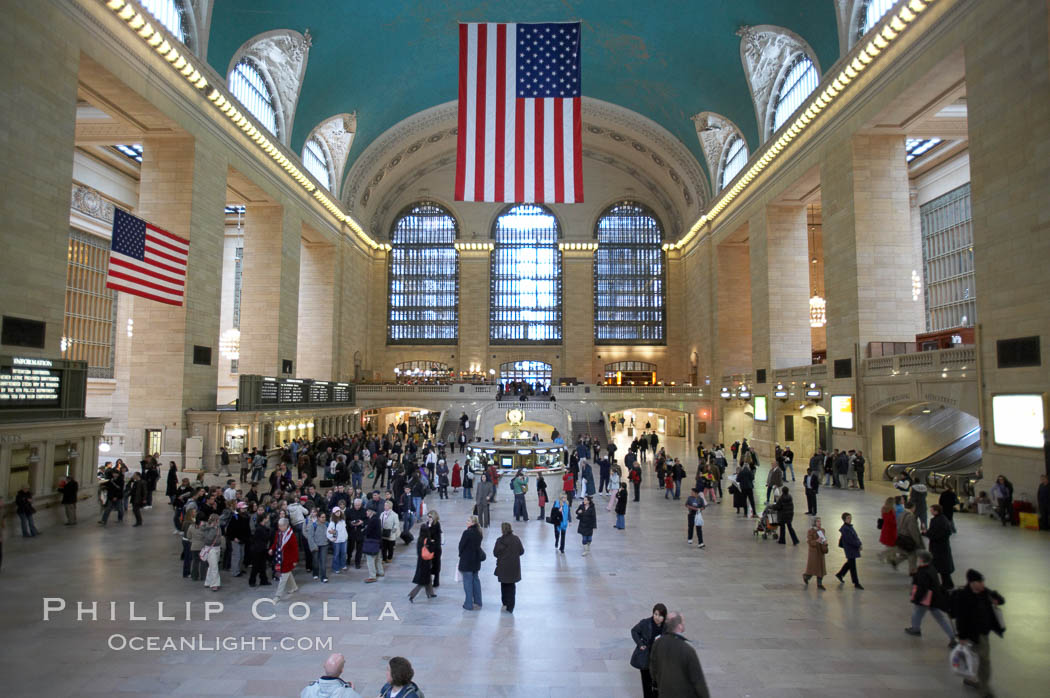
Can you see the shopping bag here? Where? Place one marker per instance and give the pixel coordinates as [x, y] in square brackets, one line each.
[458, 577]
[964, 660]
[1029, 520]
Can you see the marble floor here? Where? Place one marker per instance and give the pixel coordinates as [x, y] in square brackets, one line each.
[759, 632]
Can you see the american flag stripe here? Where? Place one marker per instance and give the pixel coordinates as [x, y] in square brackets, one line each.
[509, 147]
[147, 261]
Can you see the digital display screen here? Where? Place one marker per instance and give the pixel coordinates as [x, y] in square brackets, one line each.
[268, 391]
[842, 412]
[761, 414]
[1018, 420]
[30, 383]
[291, 391]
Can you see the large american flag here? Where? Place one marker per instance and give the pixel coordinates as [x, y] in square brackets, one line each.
[146, 261]
[519, 113]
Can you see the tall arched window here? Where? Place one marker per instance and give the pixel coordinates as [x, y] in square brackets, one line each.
[316, 162]
[629, 306]
[424, 277]
[168, 13]
[873, 11]
[735, 159]
[799, 81]
[248, 86]
[525, 302]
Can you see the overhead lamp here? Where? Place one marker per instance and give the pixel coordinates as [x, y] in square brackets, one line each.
[817, 311]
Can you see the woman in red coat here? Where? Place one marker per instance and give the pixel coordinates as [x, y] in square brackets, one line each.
[456, 481]
[568, 485]
[285, 552]
[888, 533]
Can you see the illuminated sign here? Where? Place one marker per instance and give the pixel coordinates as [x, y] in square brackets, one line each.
[725, 393]
[815, 393]
[761, 415]
[842, 412]
[1018, 420]
[30, 383]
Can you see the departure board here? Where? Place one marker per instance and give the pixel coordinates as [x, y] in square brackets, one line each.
[260, 392]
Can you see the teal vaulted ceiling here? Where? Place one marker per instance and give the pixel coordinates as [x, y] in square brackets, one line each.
[666, 60]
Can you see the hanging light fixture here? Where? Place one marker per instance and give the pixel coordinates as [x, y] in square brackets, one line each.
[817, 311]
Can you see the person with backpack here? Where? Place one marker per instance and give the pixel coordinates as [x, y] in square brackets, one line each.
[975, 610]
[694, 504]
[927, 595]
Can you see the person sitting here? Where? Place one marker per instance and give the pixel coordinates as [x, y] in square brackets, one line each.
[330, 685]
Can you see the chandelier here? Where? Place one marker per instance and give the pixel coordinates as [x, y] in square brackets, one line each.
[817, 312]
[916, 285]
[230, 344]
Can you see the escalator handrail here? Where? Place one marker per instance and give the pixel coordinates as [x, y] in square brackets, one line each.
[958, 447]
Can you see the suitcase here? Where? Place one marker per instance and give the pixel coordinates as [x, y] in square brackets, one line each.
[407, 537]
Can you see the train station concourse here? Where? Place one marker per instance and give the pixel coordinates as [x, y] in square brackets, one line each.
[511, 273]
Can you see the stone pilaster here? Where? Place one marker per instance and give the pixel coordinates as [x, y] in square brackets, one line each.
[577, 304]
[317, 295]
[474, 272]
[269, 288]
[732, 315]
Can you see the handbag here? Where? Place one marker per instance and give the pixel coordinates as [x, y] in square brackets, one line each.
[878, 524]
[964, 661]
[425, 553]
[204, 553]
[905, 543]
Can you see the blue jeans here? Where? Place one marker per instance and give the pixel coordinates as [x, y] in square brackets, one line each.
[415, 504]
[187, 558]
[519, 507]
[408, 520]
[28, 527]
[319, 559]
[788, 465]
[677, 489]
[919, 611]
[620, 522]
[471, 590]
[338, 556]
[355, 480]
[587, 540]
[468, 492]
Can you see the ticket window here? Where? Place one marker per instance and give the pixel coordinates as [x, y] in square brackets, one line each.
[20, 473]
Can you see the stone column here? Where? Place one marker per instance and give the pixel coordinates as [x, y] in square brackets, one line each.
[869, 253]
[779, 260]
[1008, 113]
[39, 84]
[269, 289]
[577, 292]
[474, 271]
[316, 347]
[182, 189]
[731, 276]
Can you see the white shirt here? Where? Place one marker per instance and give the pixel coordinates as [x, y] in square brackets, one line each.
[229, 494]
[337, 531]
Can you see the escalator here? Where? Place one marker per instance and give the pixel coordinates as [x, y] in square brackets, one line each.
[960, 457]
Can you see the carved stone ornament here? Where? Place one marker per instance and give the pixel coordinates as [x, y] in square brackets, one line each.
[715, 132]
[765, 51]
[281, 56]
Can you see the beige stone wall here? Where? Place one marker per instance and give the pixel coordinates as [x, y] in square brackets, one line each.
[732, 279]
[317, 296]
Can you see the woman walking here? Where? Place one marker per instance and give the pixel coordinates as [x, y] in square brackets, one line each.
[888, 533]
[437, 536]
[568, 485]
[391, 525]
[470, 558]
[559, 518]
[541, 496]
[456, 481]
[508, 551]
[817, 540]
[785, 508]
[587, 519]
[850, 543]
[644, 633]
[927, 594]
[621, 507]
[939, 533]
[285, 553]
[425, 552]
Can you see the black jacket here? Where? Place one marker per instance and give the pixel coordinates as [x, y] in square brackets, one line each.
[925, 581]
[424, 568]
[587, 520]
[785, 508]
[261, 539]
[356, 532]
[644, 633]
[69, 491]
[676, 668]
[238, 528]
[508, 551]
[973, 613]
[939, 532]
[621, 502]
[470, 552]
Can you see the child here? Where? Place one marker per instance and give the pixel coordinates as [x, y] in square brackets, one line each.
[668, 485]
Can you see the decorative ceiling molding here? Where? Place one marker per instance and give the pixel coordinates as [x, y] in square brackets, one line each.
[336, 135]
[431, 132]
[281, 56]
[715, 132]
[766, 51]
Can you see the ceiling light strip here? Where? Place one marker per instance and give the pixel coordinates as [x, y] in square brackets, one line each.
[166, 47]
[865, 56]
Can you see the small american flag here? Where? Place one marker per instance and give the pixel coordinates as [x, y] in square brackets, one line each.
[519, 113]
[146, 261]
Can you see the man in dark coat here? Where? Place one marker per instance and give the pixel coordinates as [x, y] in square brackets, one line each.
[470, 557]
[812, 484]
[975, 617]
[69, 491]
[138, 497]
[508, 551]
[674, 664]
[939, 532]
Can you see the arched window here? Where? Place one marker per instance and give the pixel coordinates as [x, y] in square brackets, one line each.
[168, 13]
[525, 301]
[630, 373]
[423, 277]
[873, 11]
[248, 86]
[734, 161]
[799, 82]
[316, 162]
[629, 277]
[536, 373]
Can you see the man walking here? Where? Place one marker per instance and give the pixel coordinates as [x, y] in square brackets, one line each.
[138, 497]
[972, 606]
[674, 664]
[69, 491]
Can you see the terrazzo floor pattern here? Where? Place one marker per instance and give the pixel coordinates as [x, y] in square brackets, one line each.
[759, 632]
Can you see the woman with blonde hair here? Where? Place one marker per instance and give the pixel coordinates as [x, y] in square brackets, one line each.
[888, 532]
[212, 540]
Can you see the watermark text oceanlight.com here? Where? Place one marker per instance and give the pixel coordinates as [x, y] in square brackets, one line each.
[216, 643]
